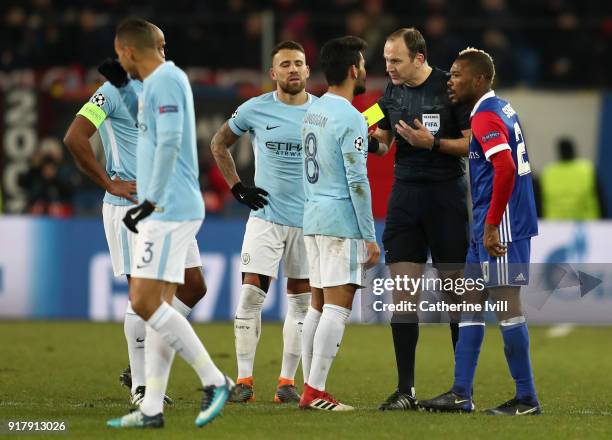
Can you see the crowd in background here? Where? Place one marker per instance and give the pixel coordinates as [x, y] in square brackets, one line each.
[534, 42]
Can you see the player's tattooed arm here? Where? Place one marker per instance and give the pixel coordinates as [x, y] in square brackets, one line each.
[223, 139]
[251, 196]
[77, 141]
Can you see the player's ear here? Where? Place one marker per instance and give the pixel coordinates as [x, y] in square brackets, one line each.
[307, 71]
[272, 74]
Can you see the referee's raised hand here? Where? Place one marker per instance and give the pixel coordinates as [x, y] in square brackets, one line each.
[419, 137]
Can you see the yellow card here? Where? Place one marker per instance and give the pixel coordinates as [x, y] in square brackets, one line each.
[373, 114]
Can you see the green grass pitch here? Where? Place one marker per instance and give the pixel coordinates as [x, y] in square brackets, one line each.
[69, 371]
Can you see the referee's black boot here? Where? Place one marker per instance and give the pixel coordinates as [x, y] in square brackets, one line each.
[399, 401]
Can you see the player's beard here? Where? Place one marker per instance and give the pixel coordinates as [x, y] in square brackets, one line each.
[292, 88]
[359, 89]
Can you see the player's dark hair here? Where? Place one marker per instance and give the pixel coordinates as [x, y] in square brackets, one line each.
[480, 62]
[137, 32]
[413, 39]
[338, 55]
[287, 44]
[566, 149]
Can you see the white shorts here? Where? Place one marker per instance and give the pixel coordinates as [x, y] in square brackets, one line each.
[335, 261]
[120, 240]
[165, 249]
[265, 243]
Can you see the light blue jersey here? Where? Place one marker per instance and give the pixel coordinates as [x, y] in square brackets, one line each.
[274, 128]
[108, 113]
[167, 165]
[338, 199]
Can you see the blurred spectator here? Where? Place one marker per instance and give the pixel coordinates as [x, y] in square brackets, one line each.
[545, 42]
[50, 182]
[442, 46]
[297, 27]
[564, 56]
[496, 44]
[570, 188]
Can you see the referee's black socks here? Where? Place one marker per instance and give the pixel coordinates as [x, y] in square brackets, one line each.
[454, 327]
[405, 338]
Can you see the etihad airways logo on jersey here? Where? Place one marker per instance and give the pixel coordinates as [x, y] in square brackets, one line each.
[287, 149]
[491, 135]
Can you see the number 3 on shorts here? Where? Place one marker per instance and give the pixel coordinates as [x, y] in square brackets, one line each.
[148, 256]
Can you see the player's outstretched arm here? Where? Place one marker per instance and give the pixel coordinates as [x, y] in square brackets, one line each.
[77, 141]
[223, 139]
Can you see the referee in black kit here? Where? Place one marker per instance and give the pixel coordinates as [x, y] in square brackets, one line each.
[428, 203]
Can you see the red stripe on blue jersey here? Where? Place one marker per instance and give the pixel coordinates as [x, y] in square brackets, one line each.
[496, 127]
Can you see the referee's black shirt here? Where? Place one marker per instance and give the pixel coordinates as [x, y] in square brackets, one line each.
[428, 102]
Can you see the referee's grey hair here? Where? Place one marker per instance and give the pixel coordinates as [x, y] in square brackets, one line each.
[480, 61]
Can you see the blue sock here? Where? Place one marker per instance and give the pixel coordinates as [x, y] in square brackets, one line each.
[516, 348]
[466, 357]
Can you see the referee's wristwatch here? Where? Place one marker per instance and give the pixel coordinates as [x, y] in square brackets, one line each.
[436, 144]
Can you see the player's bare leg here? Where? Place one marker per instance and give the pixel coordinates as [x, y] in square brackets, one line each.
[191, 292]
[327, 339]
[298, 300]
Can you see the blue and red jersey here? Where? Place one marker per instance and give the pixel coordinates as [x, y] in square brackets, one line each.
[496, 128]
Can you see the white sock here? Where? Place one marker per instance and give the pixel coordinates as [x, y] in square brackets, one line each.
[182, 308]
[309, 328]
[297, 306]
[180, 335]
[159, 356]
[134, 329]
[247, 327]
[326, 343]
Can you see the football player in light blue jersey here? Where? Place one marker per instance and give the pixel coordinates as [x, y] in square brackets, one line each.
[338, 222]
[169, 215]
[106, 112]
[274, 229]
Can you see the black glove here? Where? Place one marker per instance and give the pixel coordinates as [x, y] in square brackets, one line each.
[250, 195]
[137, 213]
[373, 144]
[112, 71]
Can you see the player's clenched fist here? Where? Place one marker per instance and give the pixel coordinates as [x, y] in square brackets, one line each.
[373, 254]
[113, 72]
[251, 196]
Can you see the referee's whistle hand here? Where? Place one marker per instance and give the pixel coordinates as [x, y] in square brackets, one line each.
[419, 137]
[373, 254]
[491, 241]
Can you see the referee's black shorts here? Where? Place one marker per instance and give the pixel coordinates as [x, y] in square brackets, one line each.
[426, 216]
